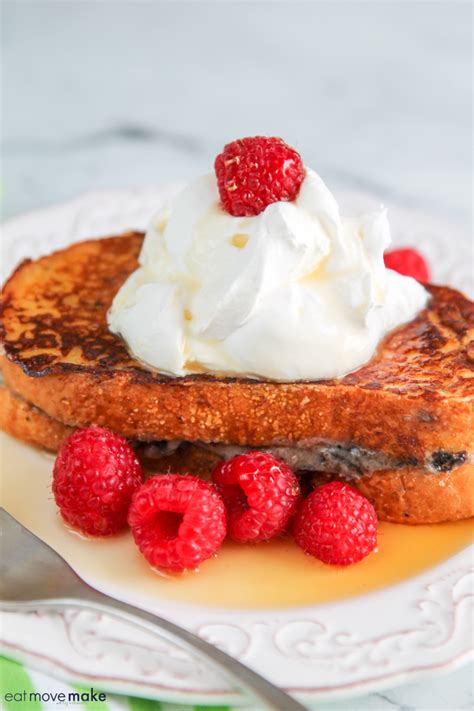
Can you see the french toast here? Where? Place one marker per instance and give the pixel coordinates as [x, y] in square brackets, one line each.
[407, 495]
[407, 413]
[25, 422]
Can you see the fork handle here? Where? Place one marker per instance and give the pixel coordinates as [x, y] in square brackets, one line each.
[238, 674]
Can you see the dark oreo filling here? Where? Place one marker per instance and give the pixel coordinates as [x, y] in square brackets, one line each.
[346, 460]
[442, 461]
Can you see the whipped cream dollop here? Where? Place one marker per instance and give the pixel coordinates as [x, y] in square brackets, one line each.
[294, 293]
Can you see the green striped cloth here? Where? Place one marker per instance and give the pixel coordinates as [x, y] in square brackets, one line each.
[18, 684]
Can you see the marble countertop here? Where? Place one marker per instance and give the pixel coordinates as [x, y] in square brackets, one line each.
[376, 96]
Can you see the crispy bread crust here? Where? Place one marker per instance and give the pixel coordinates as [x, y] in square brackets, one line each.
[409, 496]
[28, 424]
[415, 396]
[412, 496]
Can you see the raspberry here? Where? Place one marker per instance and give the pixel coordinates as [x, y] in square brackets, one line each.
[254, 172]
[336, 524]
[408, 262]
[177, 521]
[261, 494]
[94, 477]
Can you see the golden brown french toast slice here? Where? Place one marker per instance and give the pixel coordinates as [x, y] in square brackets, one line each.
[407, 495]
[412, 402]
[29, 424]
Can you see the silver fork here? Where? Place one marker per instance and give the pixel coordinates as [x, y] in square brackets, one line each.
[32, 575]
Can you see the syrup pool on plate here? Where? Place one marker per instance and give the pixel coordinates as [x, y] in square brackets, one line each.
[275, 574]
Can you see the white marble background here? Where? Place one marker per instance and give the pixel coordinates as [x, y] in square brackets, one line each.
[376, 96]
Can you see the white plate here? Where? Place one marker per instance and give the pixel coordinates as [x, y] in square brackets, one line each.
[421, 626]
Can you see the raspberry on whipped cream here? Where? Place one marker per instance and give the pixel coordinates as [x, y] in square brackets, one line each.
[254, 172]
[296, 292]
